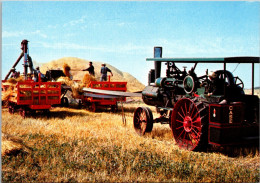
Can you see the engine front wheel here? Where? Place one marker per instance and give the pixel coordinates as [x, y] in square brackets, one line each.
[64, 102]
[189, 124]
[143, 120]
[22, 112]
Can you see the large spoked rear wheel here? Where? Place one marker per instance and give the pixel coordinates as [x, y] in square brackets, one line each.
[143, 120]
[189, 124]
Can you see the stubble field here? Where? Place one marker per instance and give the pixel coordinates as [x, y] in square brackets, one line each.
[75, 145]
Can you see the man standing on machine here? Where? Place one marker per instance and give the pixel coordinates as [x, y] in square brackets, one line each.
[90, 69]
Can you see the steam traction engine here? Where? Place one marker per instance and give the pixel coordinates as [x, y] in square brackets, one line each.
[209, 109]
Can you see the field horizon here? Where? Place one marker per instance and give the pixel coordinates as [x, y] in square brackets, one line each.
[76, 145]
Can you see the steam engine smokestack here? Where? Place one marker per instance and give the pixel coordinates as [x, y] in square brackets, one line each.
[157, 64]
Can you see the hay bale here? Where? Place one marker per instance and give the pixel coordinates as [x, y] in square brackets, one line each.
[12, 145]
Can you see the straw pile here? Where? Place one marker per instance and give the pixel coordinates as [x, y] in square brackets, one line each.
[12, 145]
[11, 82]
[66, 70]
[75, 87]
[6, 95]
[14, 81]
[87, 80]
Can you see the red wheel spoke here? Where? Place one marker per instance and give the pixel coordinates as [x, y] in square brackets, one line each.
[194, 141]
[183, 111]
[184, 136]
[143, 125]
[193, 107]
[181, 115]
[198, 127]
[190, 108]
[142, 117]
[195, 115]
[197, 135]
[198, 120]
[137, 117]
[179, 121]
[189, 141]
[180, 134]
[186, 143]
[183, 139]
[179, 127]
[186, 107]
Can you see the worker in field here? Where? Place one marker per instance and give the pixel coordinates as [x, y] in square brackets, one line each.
[90, 69]
[37, 72]
[216, 85]
[104, 71]
[14, 73]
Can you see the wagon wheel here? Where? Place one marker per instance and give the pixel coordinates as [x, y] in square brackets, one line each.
[64, 102]
[80, 104]
[22, 112]
[143, 120]
[11, 109]
[114, 108]
[93, 107]
[189, 124]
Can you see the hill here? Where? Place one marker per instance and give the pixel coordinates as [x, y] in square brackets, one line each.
[256, 91]
[77, 64]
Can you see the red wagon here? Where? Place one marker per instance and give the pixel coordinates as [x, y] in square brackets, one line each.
[94, 101]
[31, 96]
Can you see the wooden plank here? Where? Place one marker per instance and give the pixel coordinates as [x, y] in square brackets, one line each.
[112, 93]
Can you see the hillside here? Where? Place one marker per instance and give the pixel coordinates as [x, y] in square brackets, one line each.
[77, 64]
[256, 91]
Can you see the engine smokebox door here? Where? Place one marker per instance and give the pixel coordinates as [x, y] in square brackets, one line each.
[151, 96]
[150, 91]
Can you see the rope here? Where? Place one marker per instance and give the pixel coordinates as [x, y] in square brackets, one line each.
[235, 68]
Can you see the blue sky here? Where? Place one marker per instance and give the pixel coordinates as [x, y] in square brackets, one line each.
[124, 33]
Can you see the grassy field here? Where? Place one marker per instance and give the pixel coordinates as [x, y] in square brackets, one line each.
[71, 145]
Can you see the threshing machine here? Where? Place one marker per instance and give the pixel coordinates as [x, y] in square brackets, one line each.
[92, 100]
[201, 110]
[27, 95]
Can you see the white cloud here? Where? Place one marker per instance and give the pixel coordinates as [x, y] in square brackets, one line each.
[65, 47]
[52, 26]
[39, 33]
[76, 22]
[6, 34]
